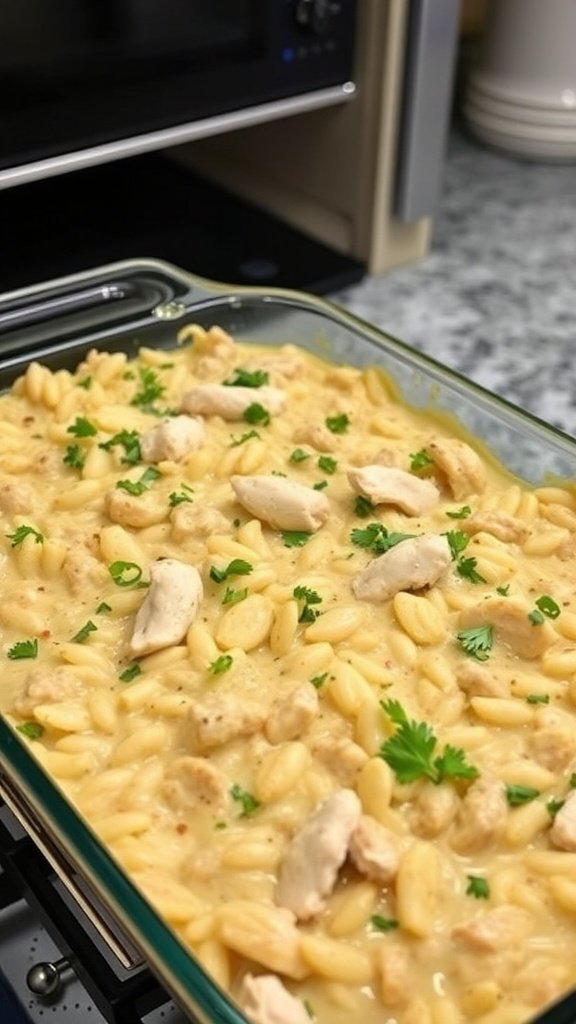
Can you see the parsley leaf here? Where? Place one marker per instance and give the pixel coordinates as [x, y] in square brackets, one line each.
[82, 428]
[136, 488]
[457, 542]
[383, 924]
[538, 698]
[179, 497]
[247, 378]
[518, 795]
[504, 590]
[320, 485]
[20, 534]
[32, 730]
[460, 513]
[466, 567]
[130, 442]
[248, 802]
[377, 538]
[234, 596]
[337, 424]
[572, 781]
[299, 455]
[363, 507]
[553, 806]
[478, 887]
[125, 574]
[74, 457]
[23, 649]
[237, 567]
[548, 605]
[536, 617]
[318, 681]
[221, 664]
[476, 641]
[150, 390]
[130, 673]
[82, 635]
[419, 461]
[256, 413]
[295, 538]
[85, 383]
[327, 464]
[103, 607]
[409, 752]
[306, 598]
[244, 437]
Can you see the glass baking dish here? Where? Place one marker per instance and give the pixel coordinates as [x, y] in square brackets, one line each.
[120, 308]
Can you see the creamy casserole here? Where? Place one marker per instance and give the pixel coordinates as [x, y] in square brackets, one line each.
[305, 660]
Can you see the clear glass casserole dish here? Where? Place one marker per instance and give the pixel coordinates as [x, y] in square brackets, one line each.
[121, 308]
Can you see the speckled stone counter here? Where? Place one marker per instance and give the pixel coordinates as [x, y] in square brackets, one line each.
[496, 297]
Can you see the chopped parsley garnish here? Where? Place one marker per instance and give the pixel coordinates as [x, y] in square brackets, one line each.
[338, 424]
[136, 488]
[234, 596]
[478, 887]
[410, 751]
[536, 617]
[243, 438]
[247, 378]
[85, 383]
[82, 428]
[548, 606]
[383, 924]
[256, 413]
[457, 542]
[518, 795]
[179, 497]
[23, 649]
[466, 567]
[221, 664]
[420, 460]
[295, 538]
[20, 534]
[103, 607]
[299, 455]
[327, 464]
[150, 390]
[320, 485]
[306, 598]
[553, 806]
[125, 574]
[82, 635]
[538, 698]
[377, 538]
[318, 681]
[130, 673]
[460, 513]
[477, 641]
[74, 457]
[130, 442]
[572, 781]
[504, 590]
[237, 567]
[248, 802]
[363, 507]
[309, 1009]
[32, 730]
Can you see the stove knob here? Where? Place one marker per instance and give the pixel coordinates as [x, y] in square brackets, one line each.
[312, 14]
[45, 979]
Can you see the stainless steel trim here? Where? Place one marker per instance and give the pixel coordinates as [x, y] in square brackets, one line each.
[188, 132]
[430, 58]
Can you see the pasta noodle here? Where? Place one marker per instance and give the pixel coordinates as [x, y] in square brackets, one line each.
[201, 744]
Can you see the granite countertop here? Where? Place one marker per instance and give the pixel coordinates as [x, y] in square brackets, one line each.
[495, 298]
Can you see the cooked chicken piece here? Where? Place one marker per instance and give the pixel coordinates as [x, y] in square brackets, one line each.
[284, 504]
[499, 524]
[311, 863]
[290, 716]
[265, 1001]
[214, 352]
[44, 686]
[193, 781]
[221, 718]
[463, 468]
[317, 436]
[480, 681]
[136, 512]
[341, 756]
[169, 607]
[563, 831]
[482, 816]
[384, 485]
[82, 570]
[496, 930]
[374, 850]
[553, 741]
[173, 439]
[189, 520]
[16, 496]
[509, 618]
[412, 564]
[231, 402]
[393, 967]
[433, 809]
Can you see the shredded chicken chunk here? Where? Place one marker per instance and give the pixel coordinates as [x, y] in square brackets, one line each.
[193, 781]
[509, 618]
[311, 863]
[317, 436]
[499, 524]
[45, 686]
[231, 402]
[463, 468]
[482, 815]
[495, 930]
[169, 608]
[173, 439]
[265, 1000]
[189, 520]
[434, 809]
[284, 504]
[553, 741]
[341, 756]
[384, 485]
[374, 850]
[137, 512]
[16, 496]
[221, 718]
[480, 681]
[563, 831]
[410, 565]
[291, 716]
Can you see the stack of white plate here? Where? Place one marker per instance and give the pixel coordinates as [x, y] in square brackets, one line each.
[522, 95]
